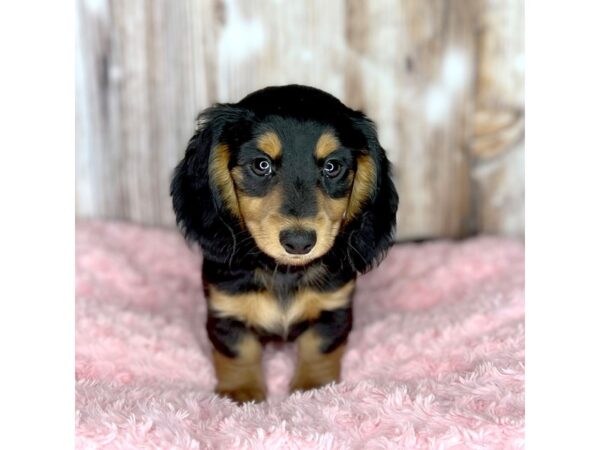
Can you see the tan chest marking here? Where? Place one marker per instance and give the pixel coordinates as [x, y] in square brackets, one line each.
[262, 310]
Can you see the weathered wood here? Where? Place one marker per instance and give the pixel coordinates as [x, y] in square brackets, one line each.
[416, 64]
[497, 138]
[436, 75]
[141, 79]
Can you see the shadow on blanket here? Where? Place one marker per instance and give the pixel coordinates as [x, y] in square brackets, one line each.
[435, 359]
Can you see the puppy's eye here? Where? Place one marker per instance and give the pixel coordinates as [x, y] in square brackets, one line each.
[261, 166]
[332, 168]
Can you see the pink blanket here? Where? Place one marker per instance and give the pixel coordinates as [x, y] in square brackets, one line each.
[435, 359]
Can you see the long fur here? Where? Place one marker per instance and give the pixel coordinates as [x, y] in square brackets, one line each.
[201, 215]
[257, 286]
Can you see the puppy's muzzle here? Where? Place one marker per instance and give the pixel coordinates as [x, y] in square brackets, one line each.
[298, 241]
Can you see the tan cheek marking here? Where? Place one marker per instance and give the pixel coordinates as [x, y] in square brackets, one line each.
[364, 184]
[333, 208]
[258, 309]
[270, 144]
[322, 222]
[257, 209]
[326, 144]
[218, 174]
[262, 219]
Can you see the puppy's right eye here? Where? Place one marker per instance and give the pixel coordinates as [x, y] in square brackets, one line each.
[261, 167]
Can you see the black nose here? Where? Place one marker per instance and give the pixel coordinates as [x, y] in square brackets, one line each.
[298, 242]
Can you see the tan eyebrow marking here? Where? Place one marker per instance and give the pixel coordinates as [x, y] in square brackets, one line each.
[270, 144]
[326, 144]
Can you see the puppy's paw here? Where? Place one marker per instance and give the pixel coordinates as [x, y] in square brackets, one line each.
[307, 384]
[243, 394]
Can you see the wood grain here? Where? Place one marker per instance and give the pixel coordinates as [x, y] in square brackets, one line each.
[442, 79]
[498, 130]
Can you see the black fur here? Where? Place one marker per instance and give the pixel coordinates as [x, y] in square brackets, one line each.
[202, 216]
[231, 256]
[199, 211]
[333, 327]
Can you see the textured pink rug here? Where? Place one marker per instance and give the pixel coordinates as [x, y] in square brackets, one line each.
[435, 360]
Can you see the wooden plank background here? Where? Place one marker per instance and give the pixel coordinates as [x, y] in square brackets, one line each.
[443, 79]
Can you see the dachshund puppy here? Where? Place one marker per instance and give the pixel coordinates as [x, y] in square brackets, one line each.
[289, 195]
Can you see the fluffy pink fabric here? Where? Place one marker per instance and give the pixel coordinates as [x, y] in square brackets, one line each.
[435, 359]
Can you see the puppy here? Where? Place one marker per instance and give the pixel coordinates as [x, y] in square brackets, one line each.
[289, 195]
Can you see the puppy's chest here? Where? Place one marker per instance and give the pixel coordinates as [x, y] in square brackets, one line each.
[281, 301]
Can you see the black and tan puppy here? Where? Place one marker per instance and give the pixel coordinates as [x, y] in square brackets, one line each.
[289, 194]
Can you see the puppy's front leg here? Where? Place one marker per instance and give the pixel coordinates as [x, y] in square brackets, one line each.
[237, 359]
[320, 350]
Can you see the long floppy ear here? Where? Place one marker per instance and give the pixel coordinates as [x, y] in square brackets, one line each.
[202, 191]
[373, 203]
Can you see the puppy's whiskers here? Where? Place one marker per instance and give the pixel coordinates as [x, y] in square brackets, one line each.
[233, 237]
[350, 246]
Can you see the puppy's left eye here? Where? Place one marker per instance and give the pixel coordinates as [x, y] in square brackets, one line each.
[261, 166]
[332, 168]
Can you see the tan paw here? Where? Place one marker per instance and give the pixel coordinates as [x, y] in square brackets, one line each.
[307, 384]
[243, 395]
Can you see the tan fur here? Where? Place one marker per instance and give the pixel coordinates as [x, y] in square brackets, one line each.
[326, 144]
[334, 208]
[260, 215]
[263, 310]
[237, 176]
[263, 220]
[363, 187]
[308, 303]
[241, 378]
[257, 309]
[315, 368]
[219, 175]
[270, 144]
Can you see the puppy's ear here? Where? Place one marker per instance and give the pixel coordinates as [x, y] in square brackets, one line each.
[373, 203]
[202, 191]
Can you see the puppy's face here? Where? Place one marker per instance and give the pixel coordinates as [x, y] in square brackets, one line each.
[290, 172]
[293, 185]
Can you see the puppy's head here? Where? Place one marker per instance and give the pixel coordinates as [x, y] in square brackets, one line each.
[290, 173]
